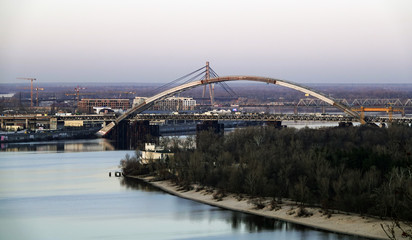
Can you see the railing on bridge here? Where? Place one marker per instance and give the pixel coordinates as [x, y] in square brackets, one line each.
[32, 120]
[365, 102]
[265, 117]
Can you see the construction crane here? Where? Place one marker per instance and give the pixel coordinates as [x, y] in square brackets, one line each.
[77, 90]
[77, 96]
[37, 94]
[31, 88]
[76, 93]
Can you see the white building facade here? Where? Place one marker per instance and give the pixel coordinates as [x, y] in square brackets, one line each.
[176, 104]
[170, 104]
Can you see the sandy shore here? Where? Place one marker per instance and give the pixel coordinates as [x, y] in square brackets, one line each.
[340, 223]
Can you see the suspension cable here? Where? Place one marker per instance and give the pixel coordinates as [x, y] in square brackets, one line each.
[175, 81]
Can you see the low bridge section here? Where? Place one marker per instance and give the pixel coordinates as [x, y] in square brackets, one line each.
[31, 121]
[246, 117]
[268, 117]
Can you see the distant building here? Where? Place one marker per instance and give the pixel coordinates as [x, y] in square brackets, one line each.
[138, 100]
[87, 105]
[176, 104]
[170, 104]
[154, 153]
[103, 110]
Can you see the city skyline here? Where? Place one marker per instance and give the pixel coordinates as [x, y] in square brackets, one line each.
[158, 41]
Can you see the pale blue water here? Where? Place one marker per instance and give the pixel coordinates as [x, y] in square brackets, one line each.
[66, 193]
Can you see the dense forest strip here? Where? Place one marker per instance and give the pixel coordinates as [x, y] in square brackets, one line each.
[365, 169]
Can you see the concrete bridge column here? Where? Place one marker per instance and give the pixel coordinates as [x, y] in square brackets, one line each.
[141, 132]
[30, 123]
[275, 124]
[214, 126]
[53, 123]
[132, 135]
[345, 124]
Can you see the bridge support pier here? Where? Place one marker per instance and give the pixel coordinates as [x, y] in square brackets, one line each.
[132, 135]
[53, 123]
[214, 126]
[275, 124]
[345, 124]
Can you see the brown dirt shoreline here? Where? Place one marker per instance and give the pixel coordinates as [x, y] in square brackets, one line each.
[350, 224]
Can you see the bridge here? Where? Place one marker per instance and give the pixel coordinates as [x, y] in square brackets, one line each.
[369, 102]
[255, 117]
[30, 121]
[216, 79]
[209, 79]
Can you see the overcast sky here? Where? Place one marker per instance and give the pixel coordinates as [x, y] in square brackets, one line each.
[318, 41]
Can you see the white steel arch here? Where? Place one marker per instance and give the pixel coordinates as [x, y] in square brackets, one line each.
[146, 104]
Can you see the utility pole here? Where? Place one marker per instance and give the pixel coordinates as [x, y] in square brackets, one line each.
[31, 89]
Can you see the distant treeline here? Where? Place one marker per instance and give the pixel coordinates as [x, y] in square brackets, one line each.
[365, 169]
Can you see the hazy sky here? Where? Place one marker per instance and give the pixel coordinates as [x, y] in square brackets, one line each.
[318, 41]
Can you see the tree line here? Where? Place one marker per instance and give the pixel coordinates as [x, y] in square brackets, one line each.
[364, 169]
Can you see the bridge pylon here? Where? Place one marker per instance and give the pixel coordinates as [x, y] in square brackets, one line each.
[211, 86]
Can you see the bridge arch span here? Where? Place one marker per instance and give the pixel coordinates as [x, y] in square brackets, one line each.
[150, 101]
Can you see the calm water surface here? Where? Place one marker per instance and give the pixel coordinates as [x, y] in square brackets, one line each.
[62, 190]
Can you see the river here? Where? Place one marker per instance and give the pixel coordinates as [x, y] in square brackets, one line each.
[62, 190]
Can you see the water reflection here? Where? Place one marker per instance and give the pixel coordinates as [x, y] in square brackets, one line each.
[254, 223]
[50, 194]
[239, 222]
[136, 184]
[90, 145]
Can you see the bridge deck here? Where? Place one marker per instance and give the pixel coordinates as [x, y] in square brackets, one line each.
[265, 117]
[204, 117]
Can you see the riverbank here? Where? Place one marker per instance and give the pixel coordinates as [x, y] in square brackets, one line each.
[350, 224]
